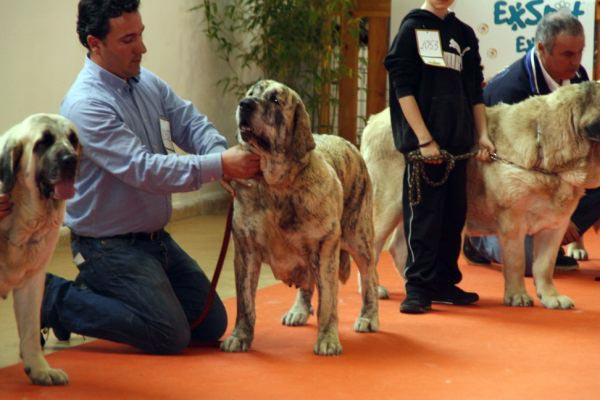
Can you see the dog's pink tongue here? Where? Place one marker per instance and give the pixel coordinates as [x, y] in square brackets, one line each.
[64, 189]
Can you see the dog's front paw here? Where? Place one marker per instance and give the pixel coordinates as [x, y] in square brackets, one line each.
[47, 376]
[328, 346]
[296, 316]
[518, 300]
[234, 344]
[560, 302]
[364, 324]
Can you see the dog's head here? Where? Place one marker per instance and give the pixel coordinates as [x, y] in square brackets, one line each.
[273, 122]
[586, 112]
[43, 151]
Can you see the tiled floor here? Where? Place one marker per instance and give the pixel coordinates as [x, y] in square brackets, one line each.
[200, 236]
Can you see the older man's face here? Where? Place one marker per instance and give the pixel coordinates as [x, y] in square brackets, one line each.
[564, 60]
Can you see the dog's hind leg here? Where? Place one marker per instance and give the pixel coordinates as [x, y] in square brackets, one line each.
[27, 305]
[368, 320]
[386, 219]
[298, 314]
[398, 249]
[362, 252]
[545, 244]
[324, 266]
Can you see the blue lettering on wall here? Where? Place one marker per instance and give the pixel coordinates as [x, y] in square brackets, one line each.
[523, 44]
[529, 13]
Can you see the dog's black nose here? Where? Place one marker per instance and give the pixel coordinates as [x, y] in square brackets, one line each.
[68, 161]
[247, 105]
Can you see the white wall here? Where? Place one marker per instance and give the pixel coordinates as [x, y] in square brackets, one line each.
[40, 56]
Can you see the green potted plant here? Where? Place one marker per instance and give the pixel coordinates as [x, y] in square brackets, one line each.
[296, 42]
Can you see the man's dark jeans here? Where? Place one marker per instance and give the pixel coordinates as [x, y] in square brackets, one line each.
[140, 290]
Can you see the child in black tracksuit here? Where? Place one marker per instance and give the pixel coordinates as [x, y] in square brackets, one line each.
[436, 103]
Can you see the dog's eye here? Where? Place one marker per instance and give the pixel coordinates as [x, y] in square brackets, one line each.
[73, 139]
[274, 98]
[46, 141]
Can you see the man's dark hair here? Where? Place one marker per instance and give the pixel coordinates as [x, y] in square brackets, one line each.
[93, 16]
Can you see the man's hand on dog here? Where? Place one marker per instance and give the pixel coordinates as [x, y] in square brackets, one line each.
[239, 163]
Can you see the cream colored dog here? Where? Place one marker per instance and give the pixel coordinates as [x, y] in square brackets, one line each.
[308, 212]
[38, 162]
[558, 134]
[577, 249]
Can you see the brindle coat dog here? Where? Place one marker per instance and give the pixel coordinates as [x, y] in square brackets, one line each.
[309, 211]
[38, 163]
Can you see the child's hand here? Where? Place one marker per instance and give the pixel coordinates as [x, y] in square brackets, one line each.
[431, 150]
[486, 148]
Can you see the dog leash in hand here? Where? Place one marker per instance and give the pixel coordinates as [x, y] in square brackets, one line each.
[215, 279]
[496, 157]
[418, 171]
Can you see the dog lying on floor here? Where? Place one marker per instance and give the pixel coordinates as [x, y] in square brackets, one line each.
[308, 212]
[557, 133]
[38, 163]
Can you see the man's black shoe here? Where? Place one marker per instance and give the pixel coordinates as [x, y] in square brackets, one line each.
[472, 255]
[59, 331]
[455, 296]
[415, 305]
[564, 262]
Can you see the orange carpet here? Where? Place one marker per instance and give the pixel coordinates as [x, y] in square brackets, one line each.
[485, 351]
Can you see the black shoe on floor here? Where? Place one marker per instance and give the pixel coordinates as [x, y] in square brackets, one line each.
[564, 262]
[415, 305]
[59, 331]
[472, 255]
[455, 296]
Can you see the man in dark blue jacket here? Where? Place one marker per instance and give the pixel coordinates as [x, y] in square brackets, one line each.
[553, 62]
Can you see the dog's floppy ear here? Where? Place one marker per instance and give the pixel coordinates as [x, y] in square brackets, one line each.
[10, 159]
[302, 141]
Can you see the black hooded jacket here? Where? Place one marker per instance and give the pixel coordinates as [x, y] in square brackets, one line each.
[445, 95]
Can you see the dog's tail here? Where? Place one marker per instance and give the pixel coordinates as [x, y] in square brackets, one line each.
[344, 271]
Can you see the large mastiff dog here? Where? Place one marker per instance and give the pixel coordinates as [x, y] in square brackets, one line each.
[549, 154]
[308, 212]
[38, 162]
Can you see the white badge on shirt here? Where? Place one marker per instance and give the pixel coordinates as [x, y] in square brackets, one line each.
[165, 133]
[429, 44]
[78, 259]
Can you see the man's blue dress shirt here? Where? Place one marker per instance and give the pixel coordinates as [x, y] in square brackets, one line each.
[126, 177]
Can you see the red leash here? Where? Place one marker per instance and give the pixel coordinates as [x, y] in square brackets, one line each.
[217, 273]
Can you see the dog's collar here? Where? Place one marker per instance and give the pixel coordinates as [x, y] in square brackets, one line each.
[540, 149]
[537, 165]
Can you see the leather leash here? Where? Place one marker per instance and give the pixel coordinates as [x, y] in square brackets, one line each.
[216, 274]
[418, 171]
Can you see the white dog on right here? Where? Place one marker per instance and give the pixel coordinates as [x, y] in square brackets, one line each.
[558, 133]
